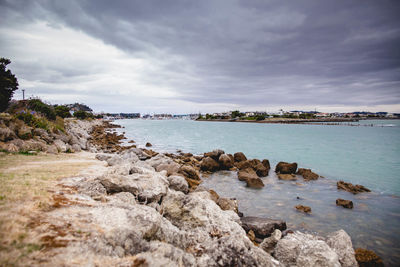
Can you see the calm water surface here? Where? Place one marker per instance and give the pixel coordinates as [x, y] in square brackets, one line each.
[363, 155]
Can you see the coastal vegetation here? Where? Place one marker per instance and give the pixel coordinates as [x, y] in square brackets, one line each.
[8, 83]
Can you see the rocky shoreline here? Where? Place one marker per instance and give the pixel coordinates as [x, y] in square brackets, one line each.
[149, 209]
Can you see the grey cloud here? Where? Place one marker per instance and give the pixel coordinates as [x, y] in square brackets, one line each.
[245, 52]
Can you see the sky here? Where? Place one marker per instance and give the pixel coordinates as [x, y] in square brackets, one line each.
[206, 56]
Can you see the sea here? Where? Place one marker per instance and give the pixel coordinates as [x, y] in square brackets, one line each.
[366, 152]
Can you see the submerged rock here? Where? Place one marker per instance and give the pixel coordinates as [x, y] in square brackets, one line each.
[302, 208]
[148, 144]
[246, 174]
[262, 227]
[287, 177]
[286, 168]
[349, 187]
[348, 204]
[307, 174]
[368, 258]
[255, 183]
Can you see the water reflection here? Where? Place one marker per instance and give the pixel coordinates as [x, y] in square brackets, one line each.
[374, 222]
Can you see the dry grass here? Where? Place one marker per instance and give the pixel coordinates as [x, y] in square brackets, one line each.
[26, 183]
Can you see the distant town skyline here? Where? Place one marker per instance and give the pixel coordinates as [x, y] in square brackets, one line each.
[184, 57]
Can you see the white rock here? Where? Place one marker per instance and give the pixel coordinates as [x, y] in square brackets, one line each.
[341, 243]
[300, 249]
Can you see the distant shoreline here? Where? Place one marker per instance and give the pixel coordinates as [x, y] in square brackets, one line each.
[285, 121]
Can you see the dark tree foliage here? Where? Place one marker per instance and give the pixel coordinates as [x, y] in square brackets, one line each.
[62, 111]
[82, 115]
[8, 84]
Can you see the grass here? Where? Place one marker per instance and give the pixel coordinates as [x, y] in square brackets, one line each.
[26, 182]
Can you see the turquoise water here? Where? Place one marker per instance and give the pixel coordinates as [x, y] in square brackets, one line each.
[367, 155]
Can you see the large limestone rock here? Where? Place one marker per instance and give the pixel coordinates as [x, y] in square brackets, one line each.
[262, 227]
[300, 249]
[256, 183]
[178, 183]
[286, 168]
[209, 164]
[260, 169]
[61, 146]
[170, 168]
[225, 162]
[158, 160]
[148, 187]
[341, 243]
[269, 243]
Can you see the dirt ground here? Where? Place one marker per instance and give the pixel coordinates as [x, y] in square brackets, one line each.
[27, 184]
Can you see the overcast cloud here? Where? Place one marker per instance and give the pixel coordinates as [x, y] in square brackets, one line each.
[189, 56]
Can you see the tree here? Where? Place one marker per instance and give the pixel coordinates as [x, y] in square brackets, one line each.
[8, 84]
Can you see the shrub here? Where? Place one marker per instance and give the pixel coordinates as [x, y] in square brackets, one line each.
[62, 111]
[82, 115]
[33, 121]
[38, 106]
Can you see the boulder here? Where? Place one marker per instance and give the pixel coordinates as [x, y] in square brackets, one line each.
[286, 168]
[12, 148]
[266, 164]
[225, 162]
[76, 148]
[287, 177]
[348, 204]
[6, 134]
[193, 183]
[300, 249]
[209, 164]
[341, 243]
[305, 209]
[307, 174]
[42, 133]
[148, 144]
[149, 187]
[254, 183]
[25, 132]
[103, 156]
[368, 258]
[158, 160]
[228, 204]
[189, 172]
[170, 168]
[239, 156]
[243, 165]
[246, 174]
[61, 146]
[115, 160]
[262, 227]
[269, 243]
[214, 195]
[261, 170]
[52, 149]
[178, 183]
[215, 154]
[355, 189]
